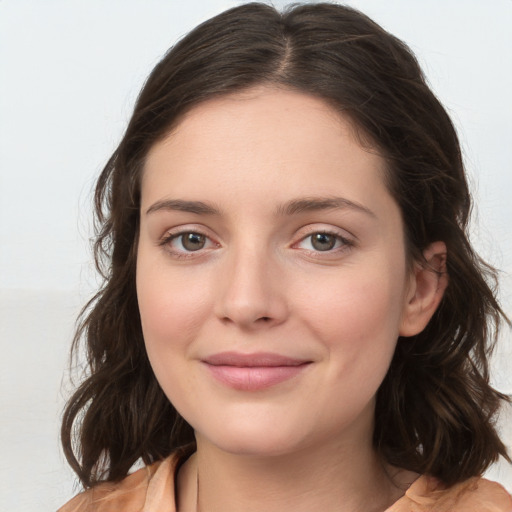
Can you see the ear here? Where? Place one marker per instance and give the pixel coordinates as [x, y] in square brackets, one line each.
[427, 286]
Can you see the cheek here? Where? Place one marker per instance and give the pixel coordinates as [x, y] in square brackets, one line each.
[358, 324]
[172, 310]
[360, 305]
[172, 307]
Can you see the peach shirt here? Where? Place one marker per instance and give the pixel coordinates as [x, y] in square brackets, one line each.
[151, 489]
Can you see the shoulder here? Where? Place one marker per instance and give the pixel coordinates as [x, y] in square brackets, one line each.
[138, 491]
[427, 494]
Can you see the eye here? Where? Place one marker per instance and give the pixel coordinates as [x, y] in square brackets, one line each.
[191, 241]
[186, 242]
[323, 242]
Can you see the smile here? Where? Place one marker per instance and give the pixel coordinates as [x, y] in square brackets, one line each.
[253, 372]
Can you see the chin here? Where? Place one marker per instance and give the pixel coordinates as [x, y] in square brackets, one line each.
[278, 444]
[252, 439]
[255, 447]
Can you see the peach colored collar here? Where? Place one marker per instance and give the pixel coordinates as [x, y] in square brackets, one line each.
[428, 494]
[152, 489]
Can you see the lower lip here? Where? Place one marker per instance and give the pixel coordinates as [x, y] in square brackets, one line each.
[254, 378]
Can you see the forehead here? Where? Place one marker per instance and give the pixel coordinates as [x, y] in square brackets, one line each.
[259, 141]
[260, 114]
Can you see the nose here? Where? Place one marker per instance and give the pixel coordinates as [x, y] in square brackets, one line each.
[251, 294]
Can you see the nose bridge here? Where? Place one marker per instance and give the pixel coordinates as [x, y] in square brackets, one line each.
[250, 293]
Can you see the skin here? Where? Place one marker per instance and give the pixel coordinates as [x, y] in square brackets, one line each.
[255, 161]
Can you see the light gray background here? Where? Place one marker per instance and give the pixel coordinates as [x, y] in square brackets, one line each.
[69, 73]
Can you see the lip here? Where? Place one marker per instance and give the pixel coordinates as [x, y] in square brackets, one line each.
[253, 372]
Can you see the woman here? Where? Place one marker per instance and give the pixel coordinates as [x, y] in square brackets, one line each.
[293, 317]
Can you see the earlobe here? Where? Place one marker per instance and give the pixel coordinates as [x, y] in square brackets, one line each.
[428, 284]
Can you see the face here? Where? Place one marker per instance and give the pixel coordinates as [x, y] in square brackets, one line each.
[271, 273]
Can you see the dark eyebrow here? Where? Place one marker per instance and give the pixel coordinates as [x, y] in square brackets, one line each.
[293, 207]
[308, 204]
[183, 206]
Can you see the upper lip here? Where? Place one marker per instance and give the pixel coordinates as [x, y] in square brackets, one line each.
[260, 359]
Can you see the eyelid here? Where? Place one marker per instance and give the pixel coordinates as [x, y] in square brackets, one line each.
[329, 229]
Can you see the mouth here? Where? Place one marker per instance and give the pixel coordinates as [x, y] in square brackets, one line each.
[253, 372]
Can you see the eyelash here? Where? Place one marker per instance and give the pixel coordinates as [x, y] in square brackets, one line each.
[344, 243]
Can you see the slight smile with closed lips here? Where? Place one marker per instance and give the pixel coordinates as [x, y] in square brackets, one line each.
[253, 372]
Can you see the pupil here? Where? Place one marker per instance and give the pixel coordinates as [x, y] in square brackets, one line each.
[193, 241]
[323, 241]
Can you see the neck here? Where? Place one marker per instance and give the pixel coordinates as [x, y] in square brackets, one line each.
[312, 479]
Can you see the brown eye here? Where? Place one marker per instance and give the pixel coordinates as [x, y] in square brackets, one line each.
[192, 241]
[323, 241]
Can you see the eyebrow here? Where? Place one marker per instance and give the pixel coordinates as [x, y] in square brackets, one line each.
[309, 204]
[183, 206]
[293, 207]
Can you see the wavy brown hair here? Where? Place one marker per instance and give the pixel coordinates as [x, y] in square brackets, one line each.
[435, 409]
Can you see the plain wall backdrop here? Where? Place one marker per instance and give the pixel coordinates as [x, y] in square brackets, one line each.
[70, 71]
